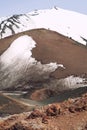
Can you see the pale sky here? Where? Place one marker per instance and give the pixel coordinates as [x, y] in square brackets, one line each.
[10, 7]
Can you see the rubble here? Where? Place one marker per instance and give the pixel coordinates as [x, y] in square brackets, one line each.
[68, 115]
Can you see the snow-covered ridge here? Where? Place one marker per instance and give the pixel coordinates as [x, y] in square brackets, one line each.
[66, 22]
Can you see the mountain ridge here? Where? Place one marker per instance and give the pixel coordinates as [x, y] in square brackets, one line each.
[68, 23]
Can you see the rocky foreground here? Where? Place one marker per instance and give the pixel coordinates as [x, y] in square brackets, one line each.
[68, 115]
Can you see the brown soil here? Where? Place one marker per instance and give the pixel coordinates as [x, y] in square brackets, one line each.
[54, 47]
[68, 115]
[42, 94]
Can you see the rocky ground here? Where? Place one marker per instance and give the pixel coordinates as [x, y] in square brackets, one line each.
[68, 115]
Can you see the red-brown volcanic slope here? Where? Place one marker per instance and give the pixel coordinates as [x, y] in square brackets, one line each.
[54, 47]
[68, 115]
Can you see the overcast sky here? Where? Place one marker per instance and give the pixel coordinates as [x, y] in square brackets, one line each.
[10, 7]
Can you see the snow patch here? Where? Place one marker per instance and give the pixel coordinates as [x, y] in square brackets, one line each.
[74, 82]
[20, 48]
[68, 83]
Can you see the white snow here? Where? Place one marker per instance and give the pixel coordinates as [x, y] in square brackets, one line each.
[66, 22]
[18, 49]
[70, 82]
[74, 82]
[20, 24]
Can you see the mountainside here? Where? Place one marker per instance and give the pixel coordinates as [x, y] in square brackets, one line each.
[43, 59]
[43, 62]
[66, 22]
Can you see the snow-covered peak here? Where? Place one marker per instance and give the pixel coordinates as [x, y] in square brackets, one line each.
[68, 23]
